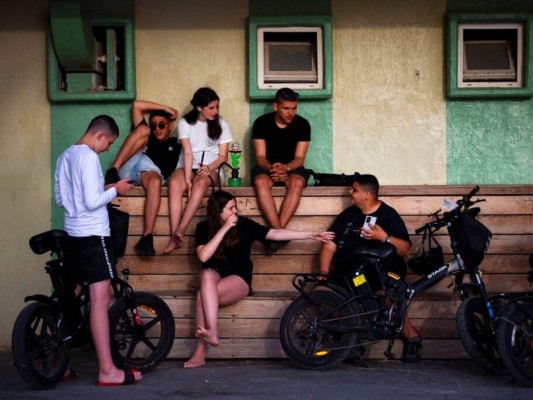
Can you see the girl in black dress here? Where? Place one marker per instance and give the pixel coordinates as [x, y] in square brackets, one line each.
[223, 245]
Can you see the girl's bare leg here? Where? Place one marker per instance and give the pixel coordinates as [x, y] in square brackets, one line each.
[176, 188]
[199, 187]
[214, 293]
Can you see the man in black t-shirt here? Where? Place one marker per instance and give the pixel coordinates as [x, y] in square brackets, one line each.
[338, 255]
[149, 157]
[281, 139]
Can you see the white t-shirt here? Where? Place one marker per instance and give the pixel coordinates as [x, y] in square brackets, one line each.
[79, 189]
[200, 141]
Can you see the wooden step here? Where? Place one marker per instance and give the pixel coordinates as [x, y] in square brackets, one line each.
[250, 328]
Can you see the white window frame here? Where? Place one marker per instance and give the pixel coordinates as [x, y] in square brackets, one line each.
[497, 83]
[286, 80]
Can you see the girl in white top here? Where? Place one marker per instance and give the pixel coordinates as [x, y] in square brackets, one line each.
[204, 137]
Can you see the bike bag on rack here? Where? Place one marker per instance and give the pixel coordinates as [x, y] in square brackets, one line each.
[473, 239]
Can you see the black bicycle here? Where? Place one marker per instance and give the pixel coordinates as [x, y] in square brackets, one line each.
[323, 327]
[514, 323]
[141, 324]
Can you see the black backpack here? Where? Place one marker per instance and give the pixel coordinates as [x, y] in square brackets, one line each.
[119, 222]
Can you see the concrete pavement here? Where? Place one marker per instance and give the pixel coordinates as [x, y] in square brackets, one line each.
[277, 379]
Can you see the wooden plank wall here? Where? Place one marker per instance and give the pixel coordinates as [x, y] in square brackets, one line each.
[249, 329]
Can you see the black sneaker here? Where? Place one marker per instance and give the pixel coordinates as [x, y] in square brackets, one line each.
[145, 246]
[274, 245]
[111, 176]
[412, 350]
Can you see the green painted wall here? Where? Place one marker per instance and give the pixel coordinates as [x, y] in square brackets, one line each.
[489, 141]
[69, 119]
[319, 113]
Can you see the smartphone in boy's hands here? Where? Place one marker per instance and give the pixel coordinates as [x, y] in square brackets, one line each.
[369, 220]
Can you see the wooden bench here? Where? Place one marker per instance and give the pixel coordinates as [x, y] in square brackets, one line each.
[249, 329]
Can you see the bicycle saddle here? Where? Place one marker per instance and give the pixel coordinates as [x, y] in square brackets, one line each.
[53, 240]
[373, 248]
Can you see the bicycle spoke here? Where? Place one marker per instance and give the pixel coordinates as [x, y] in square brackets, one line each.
[131, 348]
[151, 324]
[312, 347]
[148, 343]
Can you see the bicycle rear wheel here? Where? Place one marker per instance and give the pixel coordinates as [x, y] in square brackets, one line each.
[474, 328]
[39, 352]
[316, 332]
[515, 341]
[144, 346]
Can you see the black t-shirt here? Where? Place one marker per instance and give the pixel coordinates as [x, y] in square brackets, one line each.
[164, 154]
[347, 227]
[238, 262]
[281, 142]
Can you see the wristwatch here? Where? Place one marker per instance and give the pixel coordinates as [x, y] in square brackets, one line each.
[288, 168]
[388, 239]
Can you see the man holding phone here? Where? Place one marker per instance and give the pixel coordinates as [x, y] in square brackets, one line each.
[370, 219]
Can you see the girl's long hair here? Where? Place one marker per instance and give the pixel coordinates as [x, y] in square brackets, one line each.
[216, 203]
[202, 97]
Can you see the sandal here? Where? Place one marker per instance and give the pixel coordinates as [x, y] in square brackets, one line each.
[70, 375]
[129, 379]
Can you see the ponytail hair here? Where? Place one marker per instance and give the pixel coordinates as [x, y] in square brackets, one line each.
[202, 97]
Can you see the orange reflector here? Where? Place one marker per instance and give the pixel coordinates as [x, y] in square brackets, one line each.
[393, 275]
[321, 353]
[149, 309]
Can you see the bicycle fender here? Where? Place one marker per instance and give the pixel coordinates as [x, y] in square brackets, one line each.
[41, 298]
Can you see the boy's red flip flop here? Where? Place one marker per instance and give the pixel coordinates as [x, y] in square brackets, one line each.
[129, 379]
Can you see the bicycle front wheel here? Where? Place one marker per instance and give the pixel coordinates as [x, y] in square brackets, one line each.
[141, 346]
[474, 328]
[316, 331]
[515, 340]
[39, 352]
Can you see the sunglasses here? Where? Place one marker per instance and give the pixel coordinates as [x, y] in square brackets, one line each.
[160, 125]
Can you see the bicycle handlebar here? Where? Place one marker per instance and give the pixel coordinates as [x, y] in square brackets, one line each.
[462, 205]
[472, 192]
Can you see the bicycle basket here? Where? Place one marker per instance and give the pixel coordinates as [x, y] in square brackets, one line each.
[474, 239]
[427, 260]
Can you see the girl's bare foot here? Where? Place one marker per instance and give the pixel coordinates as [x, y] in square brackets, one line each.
[176, 240]
[210, 336]
[194, 362]
[173, 244]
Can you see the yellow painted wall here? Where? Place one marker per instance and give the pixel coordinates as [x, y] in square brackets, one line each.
[179, 48]
[24, 155]
[183, 46]
[387, 114]
[388, 90]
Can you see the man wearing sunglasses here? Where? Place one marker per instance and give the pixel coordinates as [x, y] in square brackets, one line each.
[281, 139]
[148, 157]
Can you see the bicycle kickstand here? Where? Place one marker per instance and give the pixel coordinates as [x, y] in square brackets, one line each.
[388, 352]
